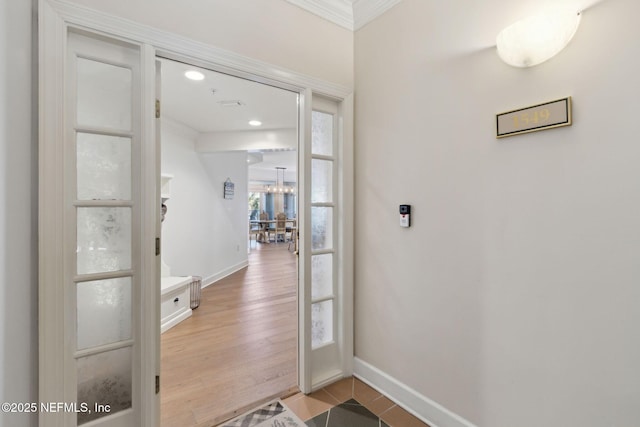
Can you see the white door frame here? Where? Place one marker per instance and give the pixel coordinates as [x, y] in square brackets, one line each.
[55, 17]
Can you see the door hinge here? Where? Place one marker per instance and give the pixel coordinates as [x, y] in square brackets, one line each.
[157, 108]
[157, 384]
[157, 246]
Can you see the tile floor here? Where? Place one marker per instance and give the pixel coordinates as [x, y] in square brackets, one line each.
[350, 413]
[350, 402]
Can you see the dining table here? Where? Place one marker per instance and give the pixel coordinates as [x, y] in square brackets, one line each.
[267, 225]
[264, 225]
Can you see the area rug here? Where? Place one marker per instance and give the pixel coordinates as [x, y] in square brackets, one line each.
[272, 415]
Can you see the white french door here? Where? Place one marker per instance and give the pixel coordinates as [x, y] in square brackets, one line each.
[103, 201]
[326, 298]
[99, 216]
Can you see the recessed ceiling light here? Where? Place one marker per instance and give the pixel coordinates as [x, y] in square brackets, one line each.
[255, 123]
[194, 75]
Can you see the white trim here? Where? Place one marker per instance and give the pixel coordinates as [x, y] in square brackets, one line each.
[150, 229]
[184, 315]
[50, 226]
[340, 12]
[349, 14]
[417, 404]
[328, 378]
[210, 280]
[365, 11]
[304, 244]
[346, 228]
[174, 321]
[174, 46]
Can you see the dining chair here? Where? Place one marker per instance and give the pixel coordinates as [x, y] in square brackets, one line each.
[254, 230]
[263, 234]
[293, 239]
[281, 226]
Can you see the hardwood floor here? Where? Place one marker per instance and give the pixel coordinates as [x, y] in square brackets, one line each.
[238, 349]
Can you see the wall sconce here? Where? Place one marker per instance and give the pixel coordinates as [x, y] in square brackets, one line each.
[537, 38]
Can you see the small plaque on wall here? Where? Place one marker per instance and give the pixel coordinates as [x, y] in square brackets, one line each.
[228, 189]
[549, 115]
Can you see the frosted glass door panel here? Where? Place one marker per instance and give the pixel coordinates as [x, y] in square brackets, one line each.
[104, 312]
[321, 228]
[103, 240]
[104, 167]
[321, 181]
[104, 379]
[104, 95]
[322, 133]
[321, 276]
[321, 323]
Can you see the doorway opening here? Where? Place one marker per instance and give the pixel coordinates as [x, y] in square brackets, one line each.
[239, 346]
[128, 92]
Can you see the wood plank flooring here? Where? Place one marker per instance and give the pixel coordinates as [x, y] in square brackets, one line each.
[238, 349]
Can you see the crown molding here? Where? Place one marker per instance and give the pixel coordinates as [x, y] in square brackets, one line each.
[339, 12]
[349, 14]
[365, 11]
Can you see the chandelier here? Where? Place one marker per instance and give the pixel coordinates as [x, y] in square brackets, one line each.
[280, 186]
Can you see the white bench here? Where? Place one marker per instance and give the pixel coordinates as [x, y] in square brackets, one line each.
[175, 303]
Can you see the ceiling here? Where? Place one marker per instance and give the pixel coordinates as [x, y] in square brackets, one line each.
[201, 106]
[224, 103]
[205, 105]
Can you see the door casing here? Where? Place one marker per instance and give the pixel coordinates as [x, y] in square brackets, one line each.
[56, 17]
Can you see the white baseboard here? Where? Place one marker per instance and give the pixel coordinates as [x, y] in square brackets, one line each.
[175, 320]
[206, 281]
[421, 406]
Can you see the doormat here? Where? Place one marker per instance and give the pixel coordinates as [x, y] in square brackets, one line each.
[272, 415]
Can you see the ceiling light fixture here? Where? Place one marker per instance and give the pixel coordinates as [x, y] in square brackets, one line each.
[255, 123]
[194, 75]
[279, 185]
[537, 38]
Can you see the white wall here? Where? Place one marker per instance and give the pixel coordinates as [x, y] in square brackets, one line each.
[513, 299]
[230, 216]
[202, 234]
[273, 31]
[18, 213]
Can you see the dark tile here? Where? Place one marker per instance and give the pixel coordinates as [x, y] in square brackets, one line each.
[318, 421]
[352, 415]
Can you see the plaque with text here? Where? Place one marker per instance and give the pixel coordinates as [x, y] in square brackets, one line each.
[229, 189]
[549, 115]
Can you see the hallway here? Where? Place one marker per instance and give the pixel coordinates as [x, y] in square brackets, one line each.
[238, 348]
